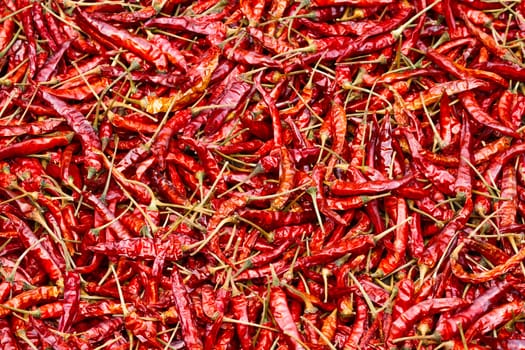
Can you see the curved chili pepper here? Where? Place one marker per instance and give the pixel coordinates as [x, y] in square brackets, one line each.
[358, 3]
[114, 36]
[468, 100]
[344, 188]
[102, 330]
[30, 240]
[427, 307]
[7, 30]
[494, 318]
[281, 313]
[449, 328]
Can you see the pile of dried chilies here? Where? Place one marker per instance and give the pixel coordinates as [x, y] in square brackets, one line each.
[266, 174]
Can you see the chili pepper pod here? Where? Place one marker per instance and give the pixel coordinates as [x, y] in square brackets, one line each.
[115, 36]
[449, 328]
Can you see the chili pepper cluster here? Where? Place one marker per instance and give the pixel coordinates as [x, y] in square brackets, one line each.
[266, 174]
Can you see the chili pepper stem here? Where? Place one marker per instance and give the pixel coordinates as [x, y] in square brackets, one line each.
[366, 297]
[198, 246]
[312, 191]
[21, 333]
[399, 31]
[325, 339]
[432, 337]
[247, 323]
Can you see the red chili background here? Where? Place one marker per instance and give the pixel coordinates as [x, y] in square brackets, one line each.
[269, 174]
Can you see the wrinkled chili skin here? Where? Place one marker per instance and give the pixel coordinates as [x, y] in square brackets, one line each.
[266, 174]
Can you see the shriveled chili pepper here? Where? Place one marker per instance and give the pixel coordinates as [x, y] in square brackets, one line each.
[30, 298]
[396, 256]
[30, 240]
[494, 318]
[281, 313]
[82, 127]
[428, 307]
[343, 188]
[114, 36]
[441, 178]
[487, 40]
[102, 330]
[273, 219]
[7, 30]
[190, 334]
[359, 3]
[116, 226]
[142, 247]
[449, 328]
[468, 100]
[34, 128]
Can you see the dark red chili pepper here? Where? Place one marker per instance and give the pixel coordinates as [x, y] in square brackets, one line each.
[124, 17]
[344, 188]
[7, 339]
[488, 41]
[463, 185]
[191, 337]
[273, 219]
[108, 216]
[7, 29]
[500, 160]
[102, 330]
[356, 245]
[507, 70]
[359, 325]
[214, 30]
[239, 305]
[116, 37]
[71, 308]
[462, 72]
[468, 100]
[494, 318]
[440, 177]
[433, 94]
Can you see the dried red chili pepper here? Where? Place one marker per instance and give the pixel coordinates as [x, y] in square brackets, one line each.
[449, 327]
[30, 298]
[428, 307]
[35, 145]
[190, 334]
[114, 37]
[30, 240]
[494, 318]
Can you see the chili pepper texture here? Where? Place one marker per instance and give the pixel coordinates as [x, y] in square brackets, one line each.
[270, 174]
